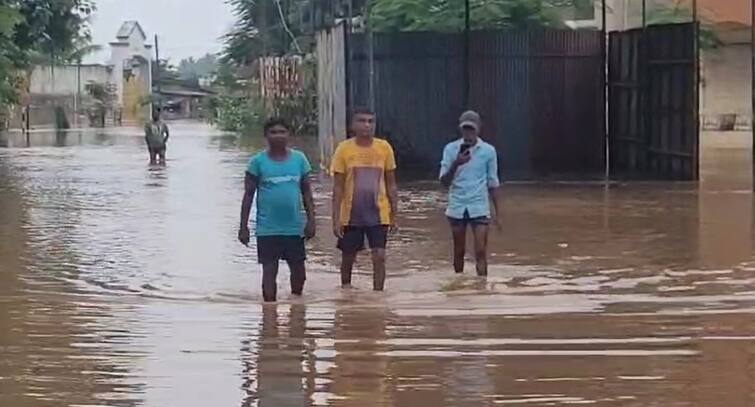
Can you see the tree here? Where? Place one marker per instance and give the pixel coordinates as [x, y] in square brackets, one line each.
[54, 27]
[449, 15]
[36, 31]
[679, 12]
[192, 69]
[266, 27]
[9, 53]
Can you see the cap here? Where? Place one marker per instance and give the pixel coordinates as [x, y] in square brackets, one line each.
[470, 118]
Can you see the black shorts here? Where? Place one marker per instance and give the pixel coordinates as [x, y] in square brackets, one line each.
[353, 238]
[272, 249]
[467, 220]
[157, 149]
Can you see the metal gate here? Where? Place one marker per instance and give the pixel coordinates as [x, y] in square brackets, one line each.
[540, 93]
[653, 103]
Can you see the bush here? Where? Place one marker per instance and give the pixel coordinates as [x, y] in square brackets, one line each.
[237, 114]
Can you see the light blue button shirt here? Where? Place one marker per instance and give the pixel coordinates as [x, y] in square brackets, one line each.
[469, 191]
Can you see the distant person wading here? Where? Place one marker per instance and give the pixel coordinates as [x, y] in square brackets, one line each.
[156, 134]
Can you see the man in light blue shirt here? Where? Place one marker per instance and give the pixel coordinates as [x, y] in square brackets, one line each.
[469, 170]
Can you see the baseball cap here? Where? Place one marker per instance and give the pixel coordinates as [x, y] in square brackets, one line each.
[470, 118]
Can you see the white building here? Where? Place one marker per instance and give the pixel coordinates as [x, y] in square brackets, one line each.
[128, 73]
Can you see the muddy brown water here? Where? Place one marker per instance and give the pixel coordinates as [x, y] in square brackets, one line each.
[123, 285]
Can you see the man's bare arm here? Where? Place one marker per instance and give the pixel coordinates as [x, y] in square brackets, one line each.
[250, 188]
[339, 183]
[309, 206]
[447, 178]
[392, 190]
[495, 200]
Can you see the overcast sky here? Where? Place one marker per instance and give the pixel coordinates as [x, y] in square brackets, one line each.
[185, 27]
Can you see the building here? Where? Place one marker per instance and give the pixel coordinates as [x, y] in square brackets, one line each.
[127, 79]
[131, 61]
[180, 101]
[725, 95]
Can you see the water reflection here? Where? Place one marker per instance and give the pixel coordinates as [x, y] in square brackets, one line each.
[278, 364]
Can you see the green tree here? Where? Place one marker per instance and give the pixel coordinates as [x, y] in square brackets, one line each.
[9, 53]
[266, 27]
[449, 15]
[679, 12]
[36, 31]
[192, 69]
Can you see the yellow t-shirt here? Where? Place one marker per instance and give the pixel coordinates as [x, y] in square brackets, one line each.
[365, 201]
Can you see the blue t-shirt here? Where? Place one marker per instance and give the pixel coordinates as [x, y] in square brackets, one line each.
[279, 200]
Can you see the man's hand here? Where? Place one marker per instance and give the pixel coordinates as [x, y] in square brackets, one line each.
[463, 158]
[337, 229]
[393, 227]
[498, 223]
[310, 230]
[244, 235]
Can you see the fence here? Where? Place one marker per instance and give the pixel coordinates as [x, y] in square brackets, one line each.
[541, 93]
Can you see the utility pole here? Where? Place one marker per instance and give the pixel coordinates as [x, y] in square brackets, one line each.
[752, 84]
[467, 28]
[644, 13]
[157, 60]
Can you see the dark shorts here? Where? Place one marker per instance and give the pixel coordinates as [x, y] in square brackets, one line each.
[467, 220]
[157, 149]
[272, 249]
[354, 236]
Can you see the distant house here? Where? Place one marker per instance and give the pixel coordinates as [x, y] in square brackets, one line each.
[182, 101]
[725, 80]
[131, 59]
[127, 75]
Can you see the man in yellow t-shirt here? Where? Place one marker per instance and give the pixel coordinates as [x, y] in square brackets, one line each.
[364, 196]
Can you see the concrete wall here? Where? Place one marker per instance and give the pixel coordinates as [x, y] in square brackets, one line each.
[726, 82]
[63, 80]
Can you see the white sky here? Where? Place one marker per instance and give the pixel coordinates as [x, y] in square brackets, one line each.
[185, 28]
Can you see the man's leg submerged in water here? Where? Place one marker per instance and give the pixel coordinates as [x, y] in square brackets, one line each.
[347, 267]
[378, 268]
[152, 156]
[459, 233]
[298, 277]
[269, 285]
[480, 232]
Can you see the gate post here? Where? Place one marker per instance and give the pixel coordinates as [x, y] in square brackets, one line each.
[466, 53]
[752, 85]
[604, 80]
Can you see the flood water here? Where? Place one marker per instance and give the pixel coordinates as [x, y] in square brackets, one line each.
[123, 285]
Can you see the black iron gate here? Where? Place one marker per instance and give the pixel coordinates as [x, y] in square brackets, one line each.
[653, 103]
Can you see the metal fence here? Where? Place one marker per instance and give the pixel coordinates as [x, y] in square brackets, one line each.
[540, 94]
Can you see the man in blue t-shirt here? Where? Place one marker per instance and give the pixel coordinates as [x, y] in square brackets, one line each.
[279, 176]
